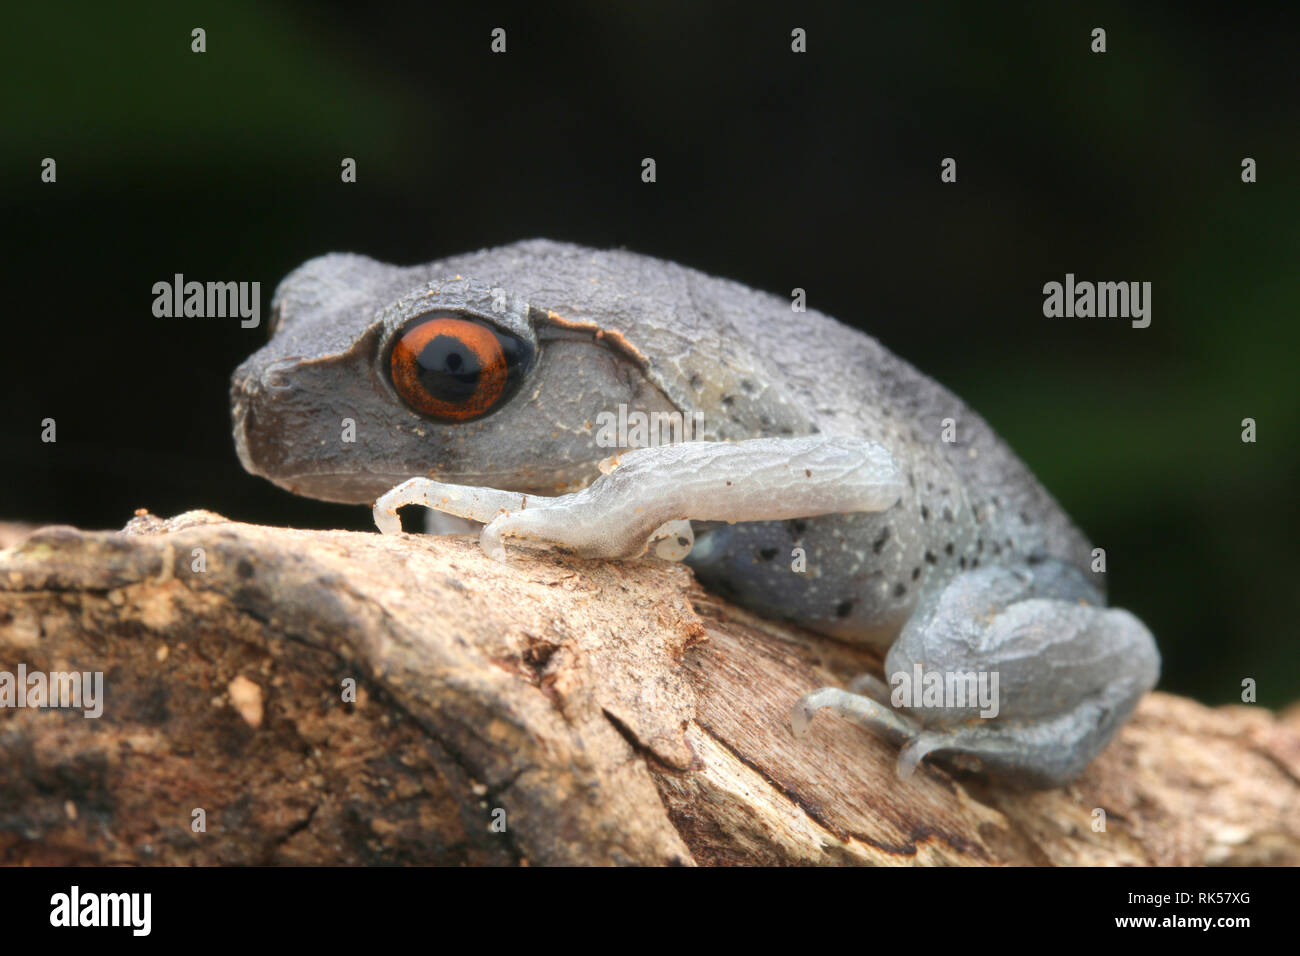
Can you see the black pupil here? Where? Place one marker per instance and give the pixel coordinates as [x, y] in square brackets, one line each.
[448, 370]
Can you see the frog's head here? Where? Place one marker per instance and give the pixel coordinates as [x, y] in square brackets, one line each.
[376, 373]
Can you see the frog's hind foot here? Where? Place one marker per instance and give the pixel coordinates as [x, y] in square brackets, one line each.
[1020, 751]
[872, 710]
[1017, 672]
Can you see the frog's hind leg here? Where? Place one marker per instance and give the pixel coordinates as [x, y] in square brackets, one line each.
[1019, 672]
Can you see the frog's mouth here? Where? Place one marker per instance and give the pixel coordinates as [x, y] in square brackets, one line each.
[266, 458]
[359, 486]
[328, 470]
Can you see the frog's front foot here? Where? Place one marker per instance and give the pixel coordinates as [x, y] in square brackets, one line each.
[648, 496]
[1017, 672]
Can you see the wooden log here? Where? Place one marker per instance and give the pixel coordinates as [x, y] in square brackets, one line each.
[553, 711]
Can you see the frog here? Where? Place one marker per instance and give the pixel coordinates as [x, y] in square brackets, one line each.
[827, 482]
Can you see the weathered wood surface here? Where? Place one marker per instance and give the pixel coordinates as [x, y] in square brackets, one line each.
[616, 713]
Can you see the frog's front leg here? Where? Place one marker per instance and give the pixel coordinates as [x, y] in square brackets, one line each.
[1018, 672]
[643, 492]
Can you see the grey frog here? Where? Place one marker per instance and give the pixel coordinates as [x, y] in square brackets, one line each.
[828, 491]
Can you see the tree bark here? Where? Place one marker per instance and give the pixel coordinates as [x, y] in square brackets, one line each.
[553, 711]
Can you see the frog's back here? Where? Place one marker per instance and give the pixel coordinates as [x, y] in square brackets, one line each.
[755, 367]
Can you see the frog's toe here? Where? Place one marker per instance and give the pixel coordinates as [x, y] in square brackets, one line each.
[858, 708]
[916, 750]
[962, 748]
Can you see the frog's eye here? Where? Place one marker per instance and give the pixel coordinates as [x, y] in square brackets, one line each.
[453, 368]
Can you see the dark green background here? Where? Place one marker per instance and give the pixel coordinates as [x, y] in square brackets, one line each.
[820, 171]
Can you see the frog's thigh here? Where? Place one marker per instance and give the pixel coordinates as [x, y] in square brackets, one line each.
[1041, 675]
[764, 479]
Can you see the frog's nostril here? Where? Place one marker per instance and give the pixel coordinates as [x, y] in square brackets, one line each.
[245, 423]
[276, 375]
